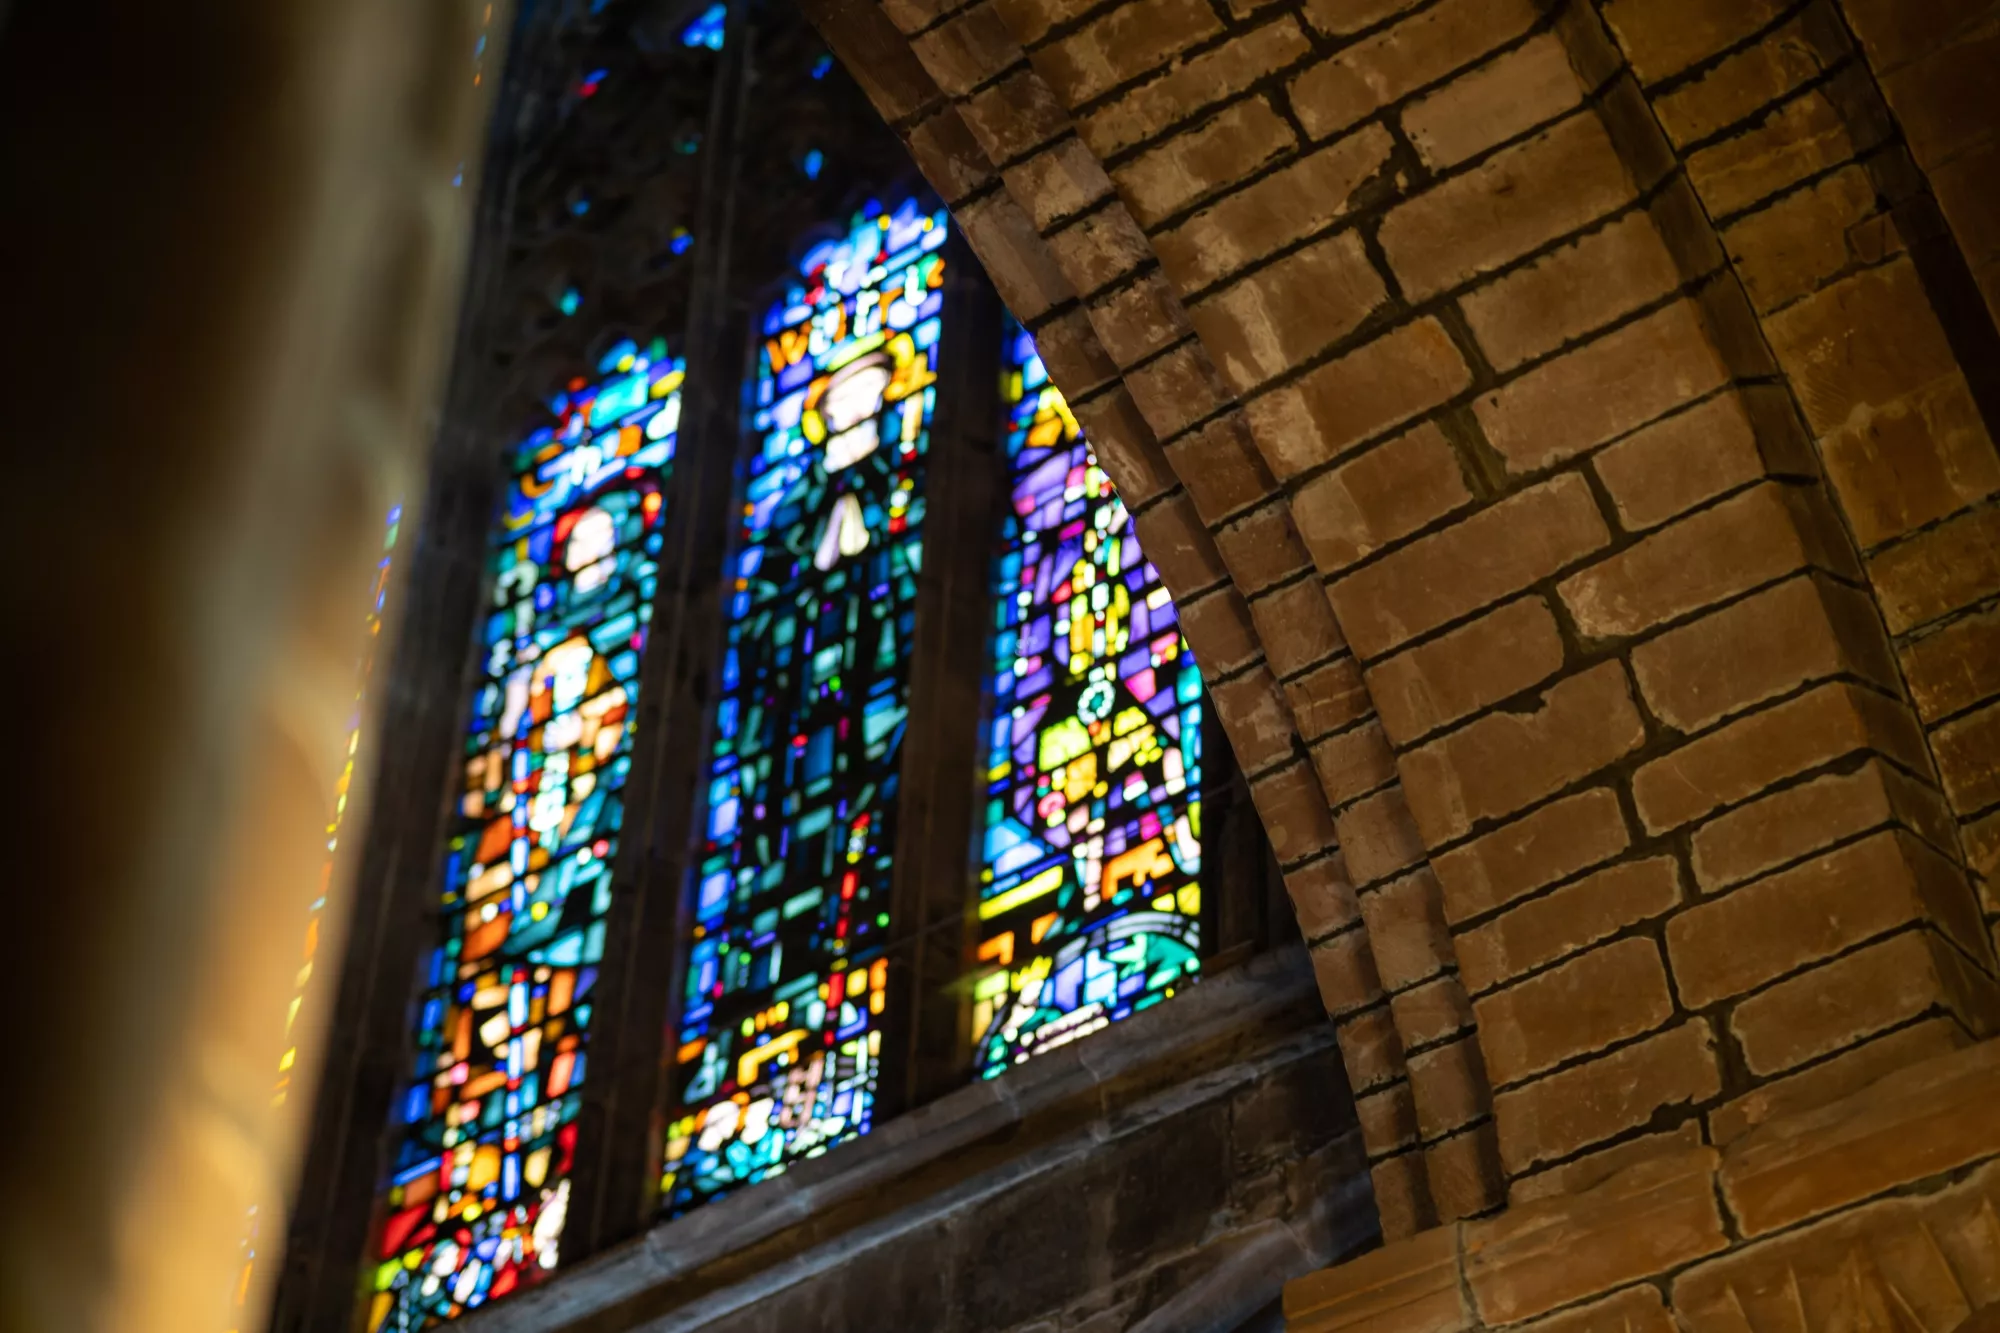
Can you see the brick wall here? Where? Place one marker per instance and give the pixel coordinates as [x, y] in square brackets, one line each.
[1578, 498]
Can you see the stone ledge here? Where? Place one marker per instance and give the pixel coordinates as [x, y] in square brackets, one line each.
[1912, 1137]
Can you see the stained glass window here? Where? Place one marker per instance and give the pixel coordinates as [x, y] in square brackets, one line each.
[1089, 901]
[480, 1186]
[780, 1030]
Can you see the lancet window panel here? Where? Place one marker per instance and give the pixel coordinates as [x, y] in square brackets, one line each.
[480, 1177]
[779, 1045]
[1089, 898]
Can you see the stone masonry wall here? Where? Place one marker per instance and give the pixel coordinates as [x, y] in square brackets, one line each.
[1568, 456]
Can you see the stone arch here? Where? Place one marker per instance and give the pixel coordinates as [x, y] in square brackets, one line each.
[1409, 336]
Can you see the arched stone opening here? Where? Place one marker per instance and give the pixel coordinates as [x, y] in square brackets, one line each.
[1562, 522]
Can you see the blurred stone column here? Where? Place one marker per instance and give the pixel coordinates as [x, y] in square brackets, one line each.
[231, 247]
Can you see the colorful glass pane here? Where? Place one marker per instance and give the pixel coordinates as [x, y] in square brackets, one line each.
[781, 1019]
[1089, 901]
[480, 1185]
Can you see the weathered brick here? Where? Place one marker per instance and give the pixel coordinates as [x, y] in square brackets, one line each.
[1944, 99]
[1655, 1217]
[1603, 389]
[1802, 138]
[1553, 843]
[1125, 445]
[1861, 343]
[1388, 1118]
[1322, 897]
[1500, 654]
[1555, 1116]
[1202, 80]
[1285, 313]
[1450, 1086]
[1745, 82]
[1137, 36]
[1326, 412]
[1932, 1119]
[1254, 715]
[1846, 1073]
[1227, 147]
[1499, 100]
[1463, 1170]
[1099, 249]
[1431, 1010]
[1291, 203]
[1389, 492]
[1376, 71]
[1698, 560]
[1014, 116]
[948, 155]
[1018, 260]
[1218, 626]
[1955, 667]
[968, 49]
[1756, 933]
[1582, 286]
[1295, 816]
[1078, 363]
[1378, 837]
[1261, 548]
[1968, 759]
[1836, 1005]
[1747, 755]
[1521, 198]
[1633, 1310]
[1138, 320]
[1296, 625]
[1894, 32]
[1912, 461]
[1673, 465]
[1221, 468]
[1934, 573]
[1664, 37]
[1177, 389]
[1179, 546]
[1370, 1051]
[1800, 242]
[1475, 562]
[1794, 821]
[1564, 922]
[1406, 930]
[1613, 992]
[1503, 761]
[1345, 971]
[1342, 18]
[1060, 181]
[1354, 762]
[1766, 645]
[1328, 698]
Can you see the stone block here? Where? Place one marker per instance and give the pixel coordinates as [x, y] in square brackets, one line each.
[1602, 389]
[1831, 1080]
[1228, 147]
[1323, 414]
[1608, 995]
[1536, 850]
[1410, 1286]
[1838, 1004]
[1295, 816]
[1499, 763]
[1432, 1010]
[1014, 256]
[1861, 344]
[1388, 1119]
[1595, 1167]
[1014, 116]
[1553, 1117]
[1582, 286]
[1322, 897]
[1968, 759]
[1289, 204]
[1192, 86]
[1768, 644]
[1452, 677]
[1370, 1050]
[1506, 97]
[1387, 67]
[1406, 931]
[1279, 316]
[1669, 467]
[1795, 821]
[1254, 715]
[1664, 37]
[1179, 545]
[1221, 468]
[1219, 628]
[1645, 1221]
[1261, 548]
[1099, 249]
[1178, 389]
[1125, 444]
[1389, 492]
[1740, 759]
[1802, 241]
[1478, 561]
[1912, 461]
[1328, 698]
[1449, 1085]
[1354, 762]
[1463, 1171]
[1296, 626]
[1939, 571]
[1801, 139]
[1956, 667]
[1515, 202]
[1138, 320]
[1131, 40]
[1378, 837]
[1345, 971]
[1745, 82]
[1567, 921]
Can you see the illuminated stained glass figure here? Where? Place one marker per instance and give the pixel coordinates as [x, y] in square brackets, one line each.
[781, 1017]
[1089, 905]
[480, 1186]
